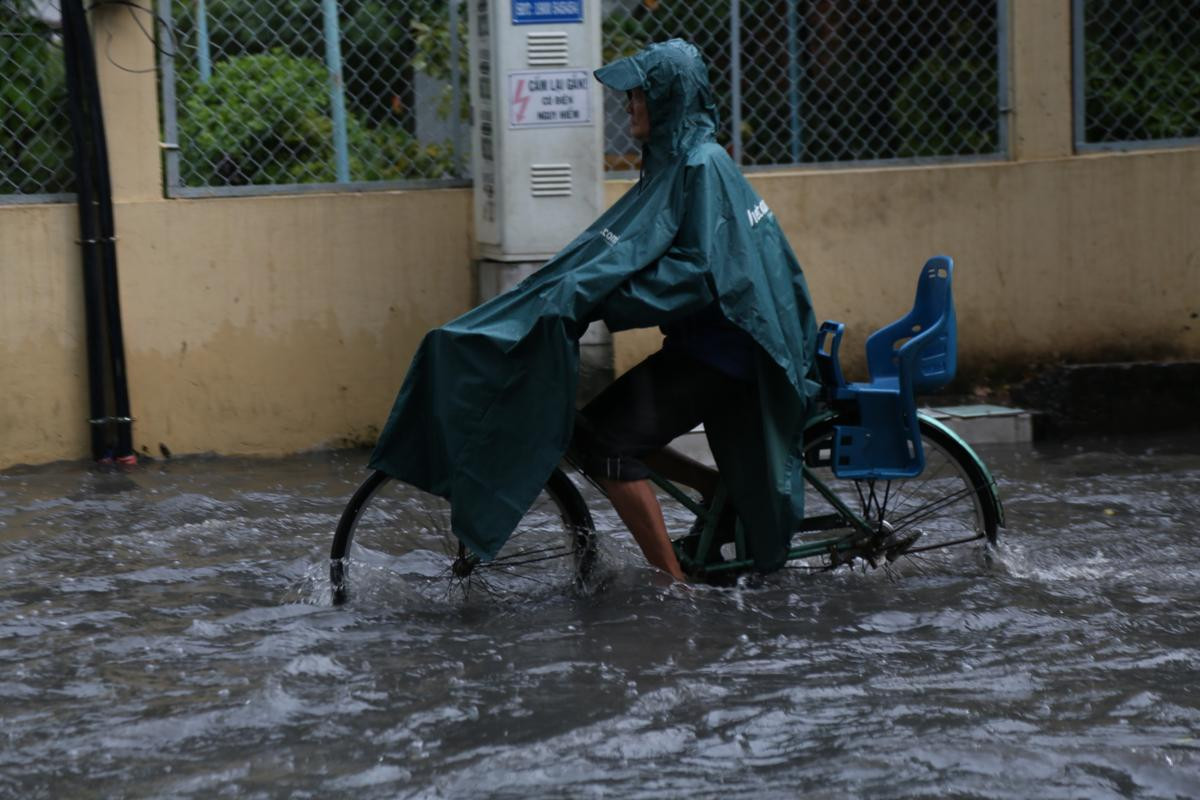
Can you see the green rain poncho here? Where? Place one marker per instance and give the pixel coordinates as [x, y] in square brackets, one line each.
[487, 408]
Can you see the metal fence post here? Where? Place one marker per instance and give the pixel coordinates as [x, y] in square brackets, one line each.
[203, 57]
[337, 90]
[735, 76]
[793, 34]
[1078, 76]
[456, 92]
[170, 144]
[1004, 99]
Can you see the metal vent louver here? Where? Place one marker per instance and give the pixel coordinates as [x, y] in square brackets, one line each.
[546, 48]
[550, 180]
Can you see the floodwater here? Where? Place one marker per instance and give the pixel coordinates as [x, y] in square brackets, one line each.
[167, 632]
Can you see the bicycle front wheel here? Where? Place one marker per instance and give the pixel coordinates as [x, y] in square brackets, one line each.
[406, 532]
[952, 502]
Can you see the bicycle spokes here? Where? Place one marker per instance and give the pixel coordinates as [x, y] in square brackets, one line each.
[884, 520]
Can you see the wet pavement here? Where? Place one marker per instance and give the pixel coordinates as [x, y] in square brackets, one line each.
[167, 632]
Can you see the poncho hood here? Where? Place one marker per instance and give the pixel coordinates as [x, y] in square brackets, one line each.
[679, 97]
[487, 408]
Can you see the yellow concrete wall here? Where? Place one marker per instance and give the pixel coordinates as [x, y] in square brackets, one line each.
[277, 324]
[252, 325]
[43, 402]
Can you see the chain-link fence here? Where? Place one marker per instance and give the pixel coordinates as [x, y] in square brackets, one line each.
[813, 82]
[1137, 73]
[35, 140]
[249, 101]
[313, 93]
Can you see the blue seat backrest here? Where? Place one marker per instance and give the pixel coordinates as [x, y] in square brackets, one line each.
[920, 348]
[829, 364]
[916, 353]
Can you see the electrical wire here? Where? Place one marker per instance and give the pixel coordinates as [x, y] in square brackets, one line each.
[131, 7]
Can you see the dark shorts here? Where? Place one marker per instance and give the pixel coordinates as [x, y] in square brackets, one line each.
[665, 396]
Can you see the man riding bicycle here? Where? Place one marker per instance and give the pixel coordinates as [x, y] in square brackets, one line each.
[691, 248]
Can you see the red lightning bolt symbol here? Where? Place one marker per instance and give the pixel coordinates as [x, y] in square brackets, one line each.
[521, 99]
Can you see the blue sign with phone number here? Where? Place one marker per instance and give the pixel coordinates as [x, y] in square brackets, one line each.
[534, 12]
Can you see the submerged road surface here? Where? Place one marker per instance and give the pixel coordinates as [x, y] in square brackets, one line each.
[168, 633]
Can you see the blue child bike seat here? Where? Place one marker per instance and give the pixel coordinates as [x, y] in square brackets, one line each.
[916, 353]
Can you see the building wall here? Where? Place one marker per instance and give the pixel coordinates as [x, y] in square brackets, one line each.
[252, 325]
[277, 324]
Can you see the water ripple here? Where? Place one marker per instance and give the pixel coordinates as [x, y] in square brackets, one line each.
[168, 632]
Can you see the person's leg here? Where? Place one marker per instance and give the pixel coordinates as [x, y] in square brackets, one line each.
[685, 470]
[637, 505]
[636, 416]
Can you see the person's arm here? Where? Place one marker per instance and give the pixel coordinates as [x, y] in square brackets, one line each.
[676, 286]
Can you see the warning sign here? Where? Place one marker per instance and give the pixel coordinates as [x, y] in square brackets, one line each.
[549, 99]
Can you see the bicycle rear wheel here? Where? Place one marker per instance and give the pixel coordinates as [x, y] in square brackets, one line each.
[952, 502]
[408, 532]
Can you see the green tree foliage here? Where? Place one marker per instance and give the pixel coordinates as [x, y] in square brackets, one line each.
[1142, 66]
[705, 25]
[431, 34]
[624, 34]
[35, 146]
[375, 44]
[264, 119]
[946, 103]
[941, 107]
[886, 79]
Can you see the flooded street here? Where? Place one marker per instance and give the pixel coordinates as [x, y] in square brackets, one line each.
[168, 632]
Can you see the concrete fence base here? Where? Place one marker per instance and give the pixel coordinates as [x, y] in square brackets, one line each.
[1136, 397]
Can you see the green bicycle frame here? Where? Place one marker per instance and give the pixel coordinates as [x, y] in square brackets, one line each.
[842, 518]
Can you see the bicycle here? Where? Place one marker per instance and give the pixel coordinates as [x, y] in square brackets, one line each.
[882, 481]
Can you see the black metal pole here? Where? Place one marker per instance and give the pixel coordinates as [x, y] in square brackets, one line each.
[92, 279]
[108, 246]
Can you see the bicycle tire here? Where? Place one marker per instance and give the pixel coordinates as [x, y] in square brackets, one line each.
[553, 546]
[952, 502]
